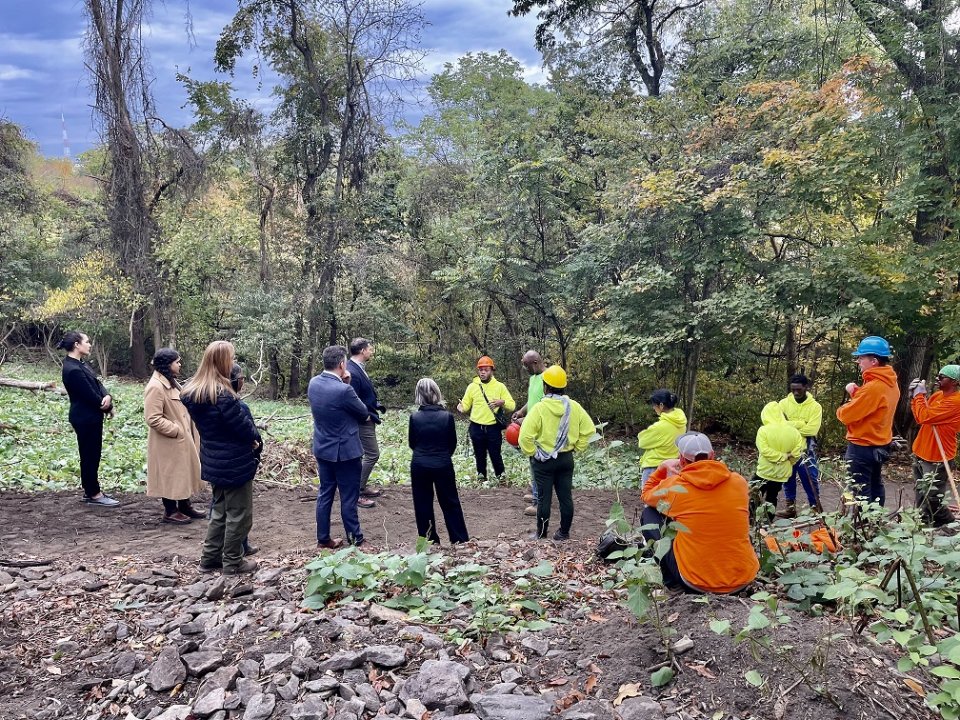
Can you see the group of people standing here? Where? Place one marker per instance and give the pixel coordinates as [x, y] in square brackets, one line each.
[203, 430]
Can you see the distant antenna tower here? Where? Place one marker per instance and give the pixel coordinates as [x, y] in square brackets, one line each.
[66, 141]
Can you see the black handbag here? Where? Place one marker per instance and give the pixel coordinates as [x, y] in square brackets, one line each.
[500, 414]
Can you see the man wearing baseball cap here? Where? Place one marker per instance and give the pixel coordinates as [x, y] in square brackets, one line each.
[938, 417]
[711, 553]
[868, 416]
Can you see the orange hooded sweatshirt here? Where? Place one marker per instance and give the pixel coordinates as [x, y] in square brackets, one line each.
[713, 504]
[869, 414]
[943, 414]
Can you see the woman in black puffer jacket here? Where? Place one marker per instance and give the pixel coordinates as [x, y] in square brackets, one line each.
[229, 454]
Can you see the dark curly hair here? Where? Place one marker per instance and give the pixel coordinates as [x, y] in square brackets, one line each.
[162, 360]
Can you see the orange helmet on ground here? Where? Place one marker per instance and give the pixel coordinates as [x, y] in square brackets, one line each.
[485, 361]
[512, 434]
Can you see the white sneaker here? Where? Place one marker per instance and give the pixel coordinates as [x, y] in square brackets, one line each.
[104, 501]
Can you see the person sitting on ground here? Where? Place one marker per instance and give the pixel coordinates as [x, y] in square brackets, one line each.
[802, 411]
[555, 428]
[712, 553]
[779, 446]
[938, 417]
[659, 441]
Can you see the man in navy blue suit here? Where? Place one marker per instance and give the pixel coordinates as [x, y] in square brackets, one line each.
[361, 350]
[337, 415]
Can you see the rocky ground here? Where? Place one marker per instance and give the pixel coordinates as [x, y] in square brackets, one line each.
[130, 629]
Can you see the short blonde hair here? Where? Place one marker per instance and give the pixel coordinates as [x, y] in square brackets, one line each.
[428, 393]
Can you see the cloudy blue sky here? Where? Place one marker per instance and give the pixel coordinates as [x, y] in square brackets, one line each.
[42, 69]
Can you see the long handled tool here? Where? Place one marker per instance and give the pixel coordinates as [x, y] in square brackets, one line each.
[943, 455]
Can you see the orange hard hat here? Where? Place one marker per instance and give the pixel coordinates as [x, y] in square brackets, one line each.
[485, 361]
[512, 434]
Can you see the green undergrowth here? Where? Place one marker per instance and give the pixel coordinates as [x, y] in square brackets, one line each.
[892, 578]
[38, 448]
[466, 598]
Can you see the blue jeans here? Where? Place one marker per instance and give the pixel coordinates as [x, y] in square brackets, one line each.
[807, 470]
[864, 465]
[344, 476]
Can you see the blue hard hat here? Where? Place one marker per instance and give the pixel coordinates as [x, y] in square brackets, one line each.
[873, 345]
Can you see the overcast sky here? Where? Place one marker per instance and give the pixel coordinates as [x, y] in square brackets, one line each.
[42, 70]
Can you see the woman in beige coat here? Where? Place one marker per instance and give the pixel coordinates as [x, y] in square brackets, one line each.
[173, 461]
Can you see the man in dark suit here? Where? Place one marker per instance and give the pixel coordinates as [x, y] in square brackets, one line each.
[337, 415]
[361, 350]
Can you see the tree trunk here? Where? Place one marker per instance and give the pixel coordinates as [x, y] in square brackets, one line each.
[790, 347]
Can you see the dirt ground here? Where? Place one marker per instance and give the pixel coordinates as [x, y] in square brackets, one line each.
[59, 525]
[605, 645]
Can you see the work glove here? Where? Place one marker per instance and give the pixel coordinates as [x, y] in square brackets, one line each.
[913, 384]
[852, 388]
[918, 389]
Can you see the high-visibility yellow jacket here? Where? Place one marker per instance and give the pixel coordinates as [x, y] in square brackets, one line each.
[779, 445]
[659, 441]
[540, 427]
[474, 403]
[807, 417]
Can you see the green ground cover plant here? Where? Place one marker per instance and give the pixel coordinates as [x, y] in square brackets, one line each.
[38, 447]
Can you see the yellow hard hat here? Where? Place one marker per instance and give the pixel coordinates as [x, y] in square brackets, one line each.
[555, 376]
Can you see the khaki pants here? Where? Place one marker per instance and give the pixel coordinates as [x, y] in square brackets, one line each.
[231, 518]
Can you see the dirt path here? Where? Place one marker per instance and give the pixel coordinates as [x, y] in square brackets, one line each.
[59, 525]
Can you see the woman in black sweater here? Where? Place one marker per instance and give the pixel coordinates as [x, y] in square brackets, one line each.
[432, 435]
[89, 403]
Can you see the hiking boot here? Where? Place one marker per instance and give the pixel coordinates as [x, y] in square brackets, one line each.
[366, 502]
[789, 511]
[249, 549]
[244, 568]
[528, 497]
[331, 544]
[536, 536]
[217, 567]
[561, 535]
[190, 511]
[530, 510]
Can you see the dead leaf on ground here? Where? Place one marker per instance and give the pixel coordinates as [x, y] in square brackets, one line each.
[568, 700]
[702, 670]
[915, 686]
[597, 618]
[590, 684]
[673, 617]
[626, 691]
[557, 681]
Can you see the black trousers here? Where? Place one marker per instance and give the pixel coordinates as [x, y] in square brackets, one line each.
[555, 475]
[668, 563]
[864, 464]
[487, 439]
[424, 481]
[90, 444]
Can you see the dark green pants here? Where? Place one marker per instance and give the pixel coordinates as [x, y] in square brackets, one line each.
[555, 474]
[231, 518]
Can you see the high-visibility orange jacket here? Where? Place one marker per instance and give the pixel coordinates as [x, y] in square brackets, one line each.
[869, 414]
[943, 413]
[712, 503]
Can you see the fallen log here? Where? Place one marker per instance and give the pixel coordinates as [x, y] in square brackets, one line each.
[30, 385]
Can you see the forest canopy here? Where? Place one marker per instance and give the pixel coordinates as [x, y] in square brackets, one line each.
[704, 196]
